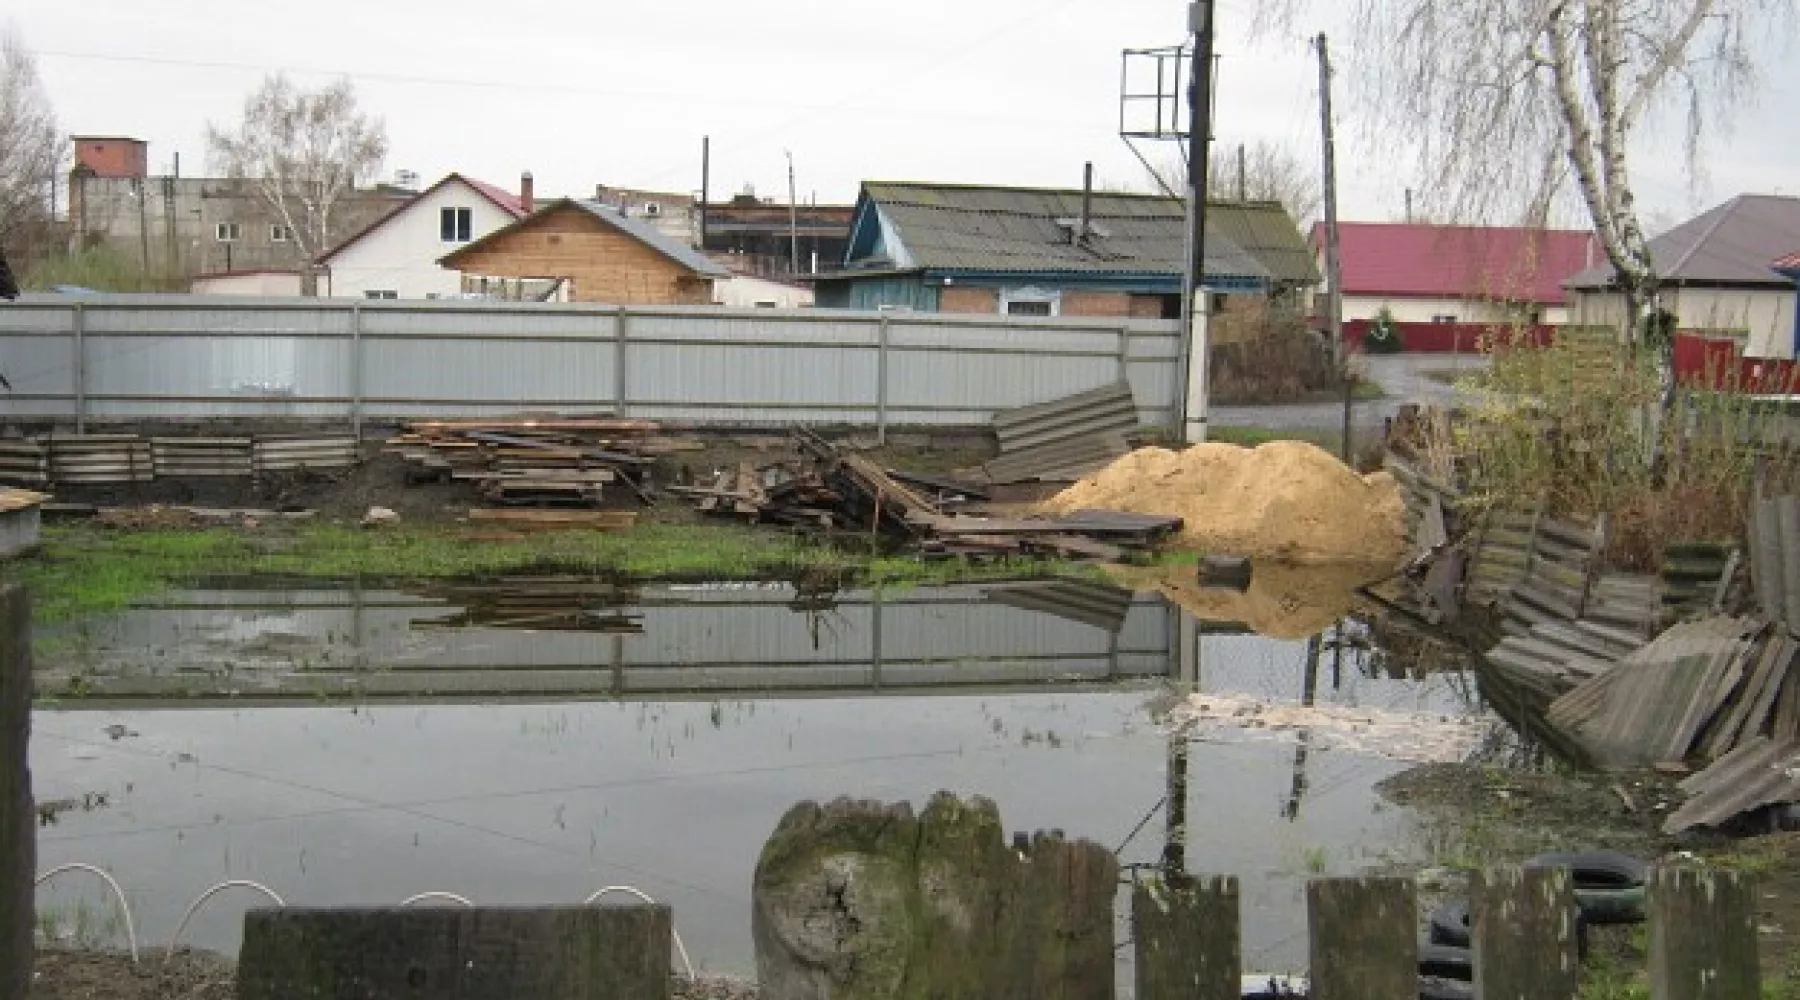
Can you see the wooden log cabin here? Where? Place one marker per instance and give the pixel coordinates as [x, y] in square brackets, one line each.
[582, 251]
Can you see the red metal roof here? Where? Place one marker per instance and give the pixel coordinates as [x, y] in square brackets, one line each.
[1423, 260]
[498, 195]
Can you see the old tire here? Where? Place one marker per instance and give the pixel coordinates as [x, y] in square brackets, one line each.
[1450, 924]
[1609, 886]
[1435, 988]
[1442, 961]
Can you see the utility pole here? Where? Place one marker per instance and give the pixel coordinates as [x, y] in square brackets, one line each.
[705, 183]
[793, 219]
[1243, 176]
[1334, 272]
[1196, 344]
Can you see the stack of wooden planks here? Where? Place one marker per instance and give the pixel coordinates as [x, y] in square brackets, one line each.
[548, 462]
[830, 488]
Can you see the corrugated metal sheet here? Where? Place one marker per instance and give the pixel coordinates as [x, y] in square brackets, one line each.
[957, 228]
[192, 356]
[1775, 558]
[1063, 439]
[1760, 772]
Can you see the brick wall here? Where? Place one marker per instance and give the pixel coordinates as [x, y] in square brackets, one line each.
[1096, 304]
[965, 299]
[604, 264]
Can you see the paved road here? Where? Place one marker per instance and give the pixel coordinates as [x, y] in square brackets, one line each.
[1400, 375]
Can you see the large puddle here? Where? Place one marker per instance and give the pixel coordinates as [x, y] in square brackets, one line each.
[537, 742]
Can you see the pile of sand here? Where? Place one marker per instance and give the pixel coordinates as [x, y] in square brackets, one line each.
[1285, 500]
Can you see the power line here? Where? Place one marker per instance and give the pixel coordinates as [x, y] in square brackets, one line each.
[662, 97]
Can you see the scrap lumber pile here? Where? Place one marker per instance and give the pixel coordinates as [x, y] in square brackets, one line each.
[550, 462]
[830, 488]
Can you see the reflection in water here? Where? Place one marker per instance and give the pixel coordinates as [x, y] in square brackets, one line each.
[1034, 696]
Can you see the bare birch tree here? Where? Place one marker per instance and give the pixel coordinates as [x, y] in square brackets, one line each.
[32, 153]
[304, 151]
[1504, 102]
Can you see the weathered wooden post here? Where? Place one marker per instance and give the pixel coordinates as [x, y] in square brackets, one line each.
[1523, 929]
[1188, 939]
[864, 901]
[480, 953]
[18, 832]
[1702, 935]
[1364, 937]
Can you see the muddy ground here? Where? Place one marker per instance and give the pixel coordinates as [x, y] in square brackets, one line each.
[1475, 816]
[190, 975]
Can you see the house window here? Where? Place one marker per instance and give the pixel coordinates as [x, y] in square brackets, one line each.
[381, 293]
[1444, 318]
[1030, 302]
[226, 232]
[454, 225]
[281, 234]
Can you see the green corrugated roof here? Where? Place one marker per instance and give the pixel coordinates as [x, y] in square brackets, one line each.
[1265, 231]
[958, 227]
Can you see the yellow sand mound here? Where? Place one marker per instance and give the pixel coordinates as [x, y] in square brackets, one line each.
[1285, 500]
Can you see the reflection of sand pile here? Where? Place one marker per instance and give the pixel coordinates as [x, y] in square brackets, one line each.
[1283, 601]
[1285, 499]
[1410, 736]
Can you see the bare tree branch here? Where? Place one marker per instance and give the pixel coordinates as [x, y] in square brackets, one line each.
[304, 151]
[32, 153]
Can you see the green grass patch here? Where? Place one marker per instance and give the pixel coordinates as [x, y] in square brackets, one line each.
[85, 570]
[1250, 437]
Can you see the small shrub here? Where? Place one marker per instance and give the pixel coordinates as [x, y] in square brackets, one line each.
[1384, 335]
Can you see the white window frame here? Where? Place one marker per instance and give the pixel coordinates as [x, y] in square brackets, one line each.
[279, 233]
[227, 232]
[1033, 294]
[461, 226]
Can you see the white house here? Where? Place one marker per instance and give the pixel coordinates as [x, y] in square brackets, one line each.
[747, 291]
[1717, 275]
[397, 257]
[276, 284]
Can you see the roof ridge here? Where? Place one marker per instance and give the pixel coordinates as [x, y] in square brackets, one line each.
[1724, 212]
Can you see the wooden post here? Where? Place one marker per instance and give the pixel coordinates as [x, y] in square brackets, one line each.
[1702, 935]
[1524, 934]
[1364, 937]
[485, 953]
[18, 831]
[1188, 945]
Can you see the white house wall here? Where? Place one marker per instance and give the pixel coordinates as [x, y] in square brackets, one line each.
[1409, 309]
[401, 255]
[1765, 317]
[746, 292]
[264, 283]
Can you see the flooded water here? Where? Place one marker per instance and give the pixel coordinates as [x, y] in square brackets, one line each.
[536, 744]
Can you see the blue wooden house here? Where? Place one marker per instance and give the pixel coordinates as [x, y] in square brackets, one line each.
[1031, 252]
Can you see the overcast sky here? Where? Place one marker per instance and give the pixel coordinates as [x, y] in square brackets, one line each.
[621, 91]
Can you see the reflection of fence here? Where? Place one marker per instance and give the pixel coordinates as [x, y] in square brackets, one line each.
[122, 357]
[581, 638]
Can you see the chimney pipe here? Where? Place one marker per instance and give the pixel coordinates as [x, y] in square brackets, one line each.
[527, 193]
[1087, 201]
